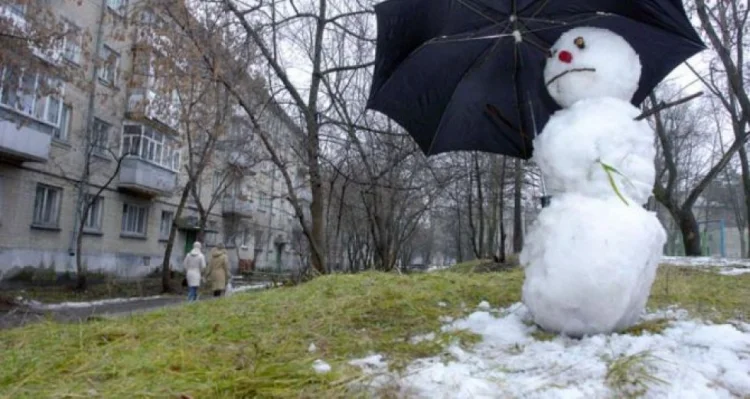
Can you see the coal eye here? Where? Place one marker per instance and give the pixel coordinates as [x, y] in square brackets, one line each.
[579, 42]
[550, 53]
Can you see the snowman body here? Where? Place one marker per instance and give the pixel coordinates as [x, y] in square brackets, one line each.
[591, 256]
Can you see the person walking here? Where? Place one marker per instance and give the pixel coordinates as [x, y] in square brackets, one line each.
[194, 265]
[218, 270]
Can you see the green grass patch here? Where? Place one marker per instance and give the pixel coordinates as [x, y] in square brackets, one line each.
[250, 344]
[630, 376]
[255, 344]
[703, 293]
[655, 326]
[485, 265]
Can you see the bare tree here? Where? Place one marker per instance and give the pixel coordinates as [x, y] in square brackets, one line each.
[684, 171]
[725, 24]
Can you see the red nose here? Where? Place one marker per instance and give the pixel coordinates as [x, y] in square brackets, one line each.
[565, 57]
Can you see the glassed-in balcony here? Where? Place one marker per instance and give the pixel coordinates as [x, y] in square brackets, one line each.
[152, 161]
[145, 103]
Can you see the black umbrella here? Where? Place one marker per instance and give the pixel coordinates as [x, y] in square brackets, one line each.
[454, 74]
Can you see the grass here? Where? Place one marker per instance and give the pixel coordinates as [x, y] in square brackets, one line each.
[485, 265]
[629, 376]
[255, 344]
[250, 344]
[703, 293]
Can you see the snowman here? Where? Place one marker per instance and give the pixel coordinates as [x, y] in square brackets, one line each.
[592, 254]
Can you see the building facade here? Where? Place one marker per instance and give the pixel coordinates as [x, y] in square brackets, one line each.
[58, 150]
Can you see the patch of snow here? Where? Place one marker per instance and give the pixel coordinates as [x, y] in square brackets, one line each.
[372, 363]
[321, 366]
[689, 358]
[312, 348]
[442, 304]
[421, 338]
[484, 305]
[77, 305]
[251, 287]
[704, 261]
[734, 271]
[445, 319]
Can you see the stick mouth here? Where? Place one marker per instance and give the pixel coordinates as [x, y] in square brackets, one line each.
[560, 75]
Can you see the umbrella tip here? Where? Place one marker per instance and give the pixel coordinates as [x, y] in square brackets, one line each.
[517, 36]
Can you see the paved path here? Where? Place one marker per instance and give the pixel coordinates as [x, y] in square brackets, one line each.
[24, 315]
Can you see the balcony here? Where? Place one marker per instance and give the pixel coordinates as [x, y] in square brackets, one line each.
[23, 142]
[145, 178]
[145, 103]
[234, 206]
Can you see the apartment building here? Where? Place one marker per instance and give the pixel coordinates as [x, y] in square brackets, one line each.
[46, 154]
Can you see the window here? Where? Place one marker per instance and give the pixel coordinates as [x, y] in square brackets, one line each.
[61, 133]
[117, 6]
[147, 144]
[110, 64]
[264, 200]
[100, 139]
[134, 219]
[47, 205]
[165, 227]
[32, 94]
[71, 43]
[94, 215]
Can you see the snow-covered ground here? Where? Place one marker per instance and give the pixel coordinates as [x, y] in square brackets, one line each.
[689, 359]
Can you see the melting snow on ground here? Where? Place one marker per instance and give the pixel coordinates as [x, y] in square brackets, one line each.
[76, 305]
[689, 359]
[705, 261]
[251, 287]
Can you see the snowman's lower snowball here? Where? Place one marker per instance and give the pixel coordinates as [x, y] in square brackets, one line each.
[590, 264]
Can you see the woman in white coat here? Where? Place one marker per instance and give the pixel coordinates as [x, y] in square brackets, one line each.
[194, 265]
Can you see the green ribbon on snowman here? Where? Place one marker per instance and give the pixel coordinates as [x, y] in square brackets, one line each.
[610, 170]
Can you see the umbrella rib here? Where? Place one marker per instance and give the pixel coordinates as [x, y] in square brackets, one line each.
[541, 7]
[573, 20]
[497, 117]
[478, 12]
[516, 55]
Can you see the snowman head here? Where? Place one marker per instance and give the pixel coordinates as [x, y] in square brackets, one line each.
[589, 63]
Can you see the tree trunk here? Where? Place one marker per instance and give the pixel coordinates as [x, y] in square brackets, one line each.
[81, 281]
[503, 236]
[491, 244]
[166, 263]
[746, 189]
[459, 247]
[317, 206]
[517, 210]
[691, 238]
[470, 214]
[480, 208]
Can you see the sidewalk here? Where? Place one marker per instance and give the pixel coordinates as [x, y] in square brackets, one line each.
[23, 315]
[82, 311]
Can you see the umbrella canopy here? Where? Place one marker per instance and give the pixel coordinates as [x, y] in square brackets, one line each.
[468, 74]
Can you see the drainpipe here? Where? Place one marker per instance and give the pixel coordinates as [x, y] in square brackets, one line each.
[81, 192]
[271, 238]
